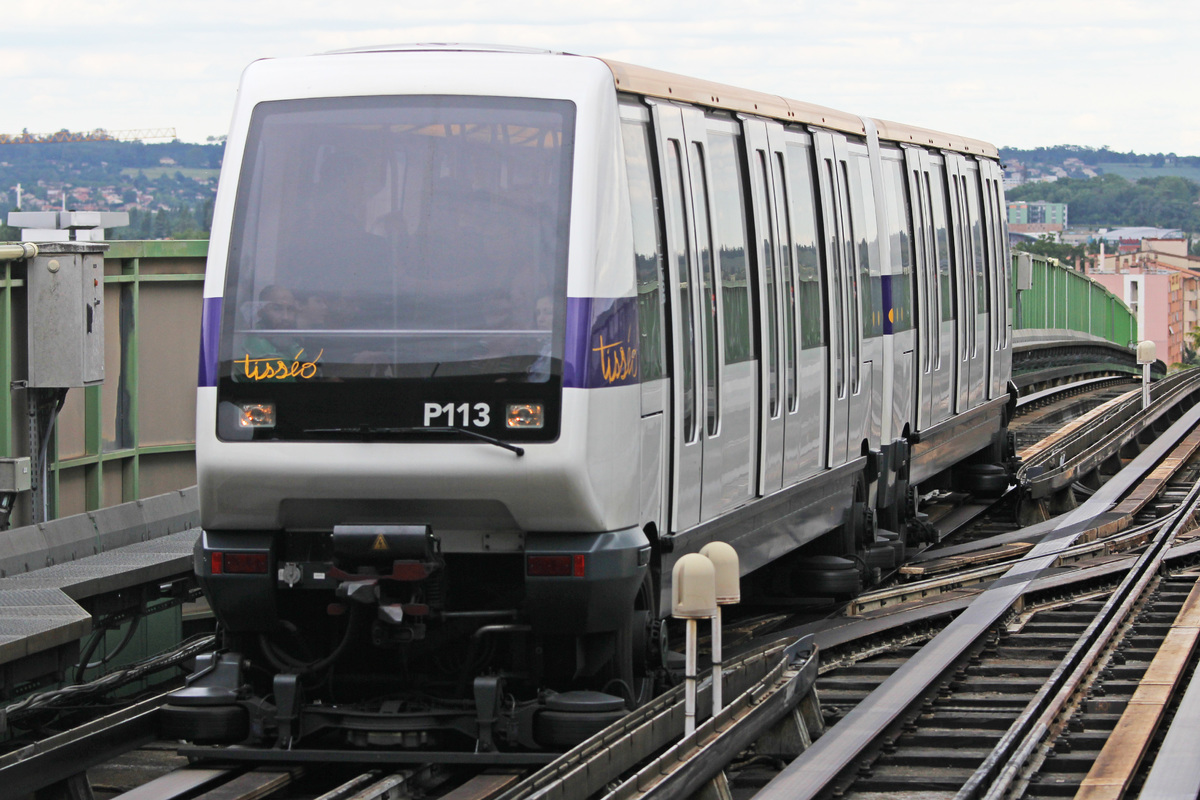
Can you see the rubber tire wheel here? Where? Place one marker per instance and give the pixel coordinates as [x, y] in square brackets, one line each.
[565, 729]
[827, 576]
[203, 724]
[987, 480]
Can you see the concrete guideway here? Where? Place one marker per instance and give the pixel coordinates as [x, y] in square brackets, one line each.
[840, 746]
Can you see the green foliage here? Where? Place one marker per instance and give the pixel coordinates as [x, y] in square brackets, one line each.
[1046, 246]
[1166, 202]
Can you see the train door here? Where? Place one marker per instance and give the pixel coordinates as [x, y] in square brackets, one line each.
[798, 277]
[980, 306]
[945, 385]
[845, 330]
[925, 289]
[772, 364]
[739, 369]
[966, 351]
[998, 278]
[685, 348]
[710, 354]
[649, 257]
[804, 435]
[866, 273]
[937, 324]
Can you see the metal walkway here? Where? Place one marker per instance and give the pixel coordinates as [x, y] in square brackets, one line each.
[48, 570]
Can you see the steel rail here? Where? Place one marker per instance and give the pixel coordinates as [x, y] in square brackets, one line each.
[60, 757]
[837, 750]
[772, 678]
[1116, 534]
[1002, 766]
[1123, 752]
[1090, 445]
[1067, 390]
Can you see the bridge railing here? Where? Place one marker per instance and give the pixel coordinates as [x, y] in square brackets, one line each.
[1062, 299]
[134, 435]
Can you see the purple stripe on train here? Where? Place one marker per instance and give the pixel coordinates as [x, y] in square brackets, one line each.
[602, 342]
[888, 321]
[210, 335]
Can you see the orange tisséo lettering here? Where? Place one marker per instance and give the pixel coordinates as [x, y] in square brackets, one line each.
[274, 368]
[617, 360]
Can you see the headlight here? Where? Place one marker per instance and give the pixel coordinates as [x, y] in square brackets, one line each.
[525, 415]
[256, 415]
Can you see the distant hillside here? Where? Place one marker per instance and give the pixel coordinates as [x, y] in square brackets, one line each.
[167, 188]
[1112, 201]
[1075, 161]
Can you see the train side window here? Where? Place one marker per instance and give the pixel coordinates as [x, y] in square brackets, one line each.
[788, 279]
[683, 269]
[768, 257]
[941, 229]
[971, 185]
[810, 265]
[1005, 270]
[729, 215]
[836, 302]
[648, 248]
[866, 231]
[853, 322]
[708, 282]
[931, 322]
[899, 233]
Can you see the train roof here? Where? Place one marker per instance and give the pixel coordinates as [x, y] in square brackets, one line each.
[670, 86]
[656, 83]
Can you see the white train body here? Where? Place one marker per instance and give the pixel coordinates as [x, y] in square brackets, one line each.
[736, 317]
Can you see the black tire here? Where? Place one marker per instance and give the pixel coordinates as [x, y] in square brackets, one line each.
[826, 576]
[987, 480]
[633, 664]
[203, 724]
[565, 729]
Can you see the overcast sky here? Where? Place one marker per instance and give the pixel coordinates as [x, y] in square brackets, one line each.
[1020, 73]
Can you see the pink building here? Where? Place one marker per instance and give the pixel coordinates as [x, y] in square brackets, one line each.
[1165, 300]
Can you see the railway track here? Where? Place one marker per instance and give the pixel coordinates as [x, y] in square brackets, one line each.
[944, 736]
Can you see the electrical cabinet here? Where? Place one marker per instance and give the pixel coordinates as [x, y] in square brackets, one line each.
[65, 284]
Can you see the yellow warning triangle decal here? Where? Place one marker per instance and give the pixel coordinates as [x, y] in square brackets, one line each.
[380, 543]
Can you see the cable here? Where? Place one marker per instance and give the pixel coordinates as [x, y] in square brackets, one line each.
[287, 663]
[186, 649]
[98, 637]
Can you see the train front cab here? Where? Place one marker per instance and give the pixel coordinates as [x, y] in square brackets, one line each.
[409, 524]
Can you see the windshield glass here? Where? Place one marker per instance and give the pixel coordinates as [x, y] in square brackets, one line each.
[400, 237]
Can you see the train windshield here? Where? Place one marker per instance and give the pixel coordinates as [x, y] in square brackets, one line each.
[385, 238]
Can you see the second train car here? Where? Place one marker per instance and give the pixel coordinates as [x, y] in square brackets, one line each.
[493, 336]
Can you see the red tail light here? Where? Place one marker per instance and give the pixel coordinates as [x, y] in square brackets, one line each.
[239, 563]
[556, 566]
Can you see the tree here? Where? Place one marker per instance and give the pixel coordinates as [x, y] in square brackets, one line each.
[1046, 246]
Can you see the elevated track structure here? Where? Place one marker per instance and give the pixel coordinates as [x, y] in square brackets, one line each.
[1067, 329]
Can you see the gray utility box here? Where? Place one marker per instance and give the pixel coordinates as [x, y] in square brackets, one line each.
[15, 475]
[65, 283]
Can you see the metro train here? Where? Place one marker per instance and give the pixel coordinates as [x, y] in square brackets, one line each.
[493, 336]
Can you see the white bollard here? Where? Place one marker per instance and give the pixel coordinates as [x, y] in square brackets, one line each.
[693, 597]
[1146, 354]
[729, 591]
